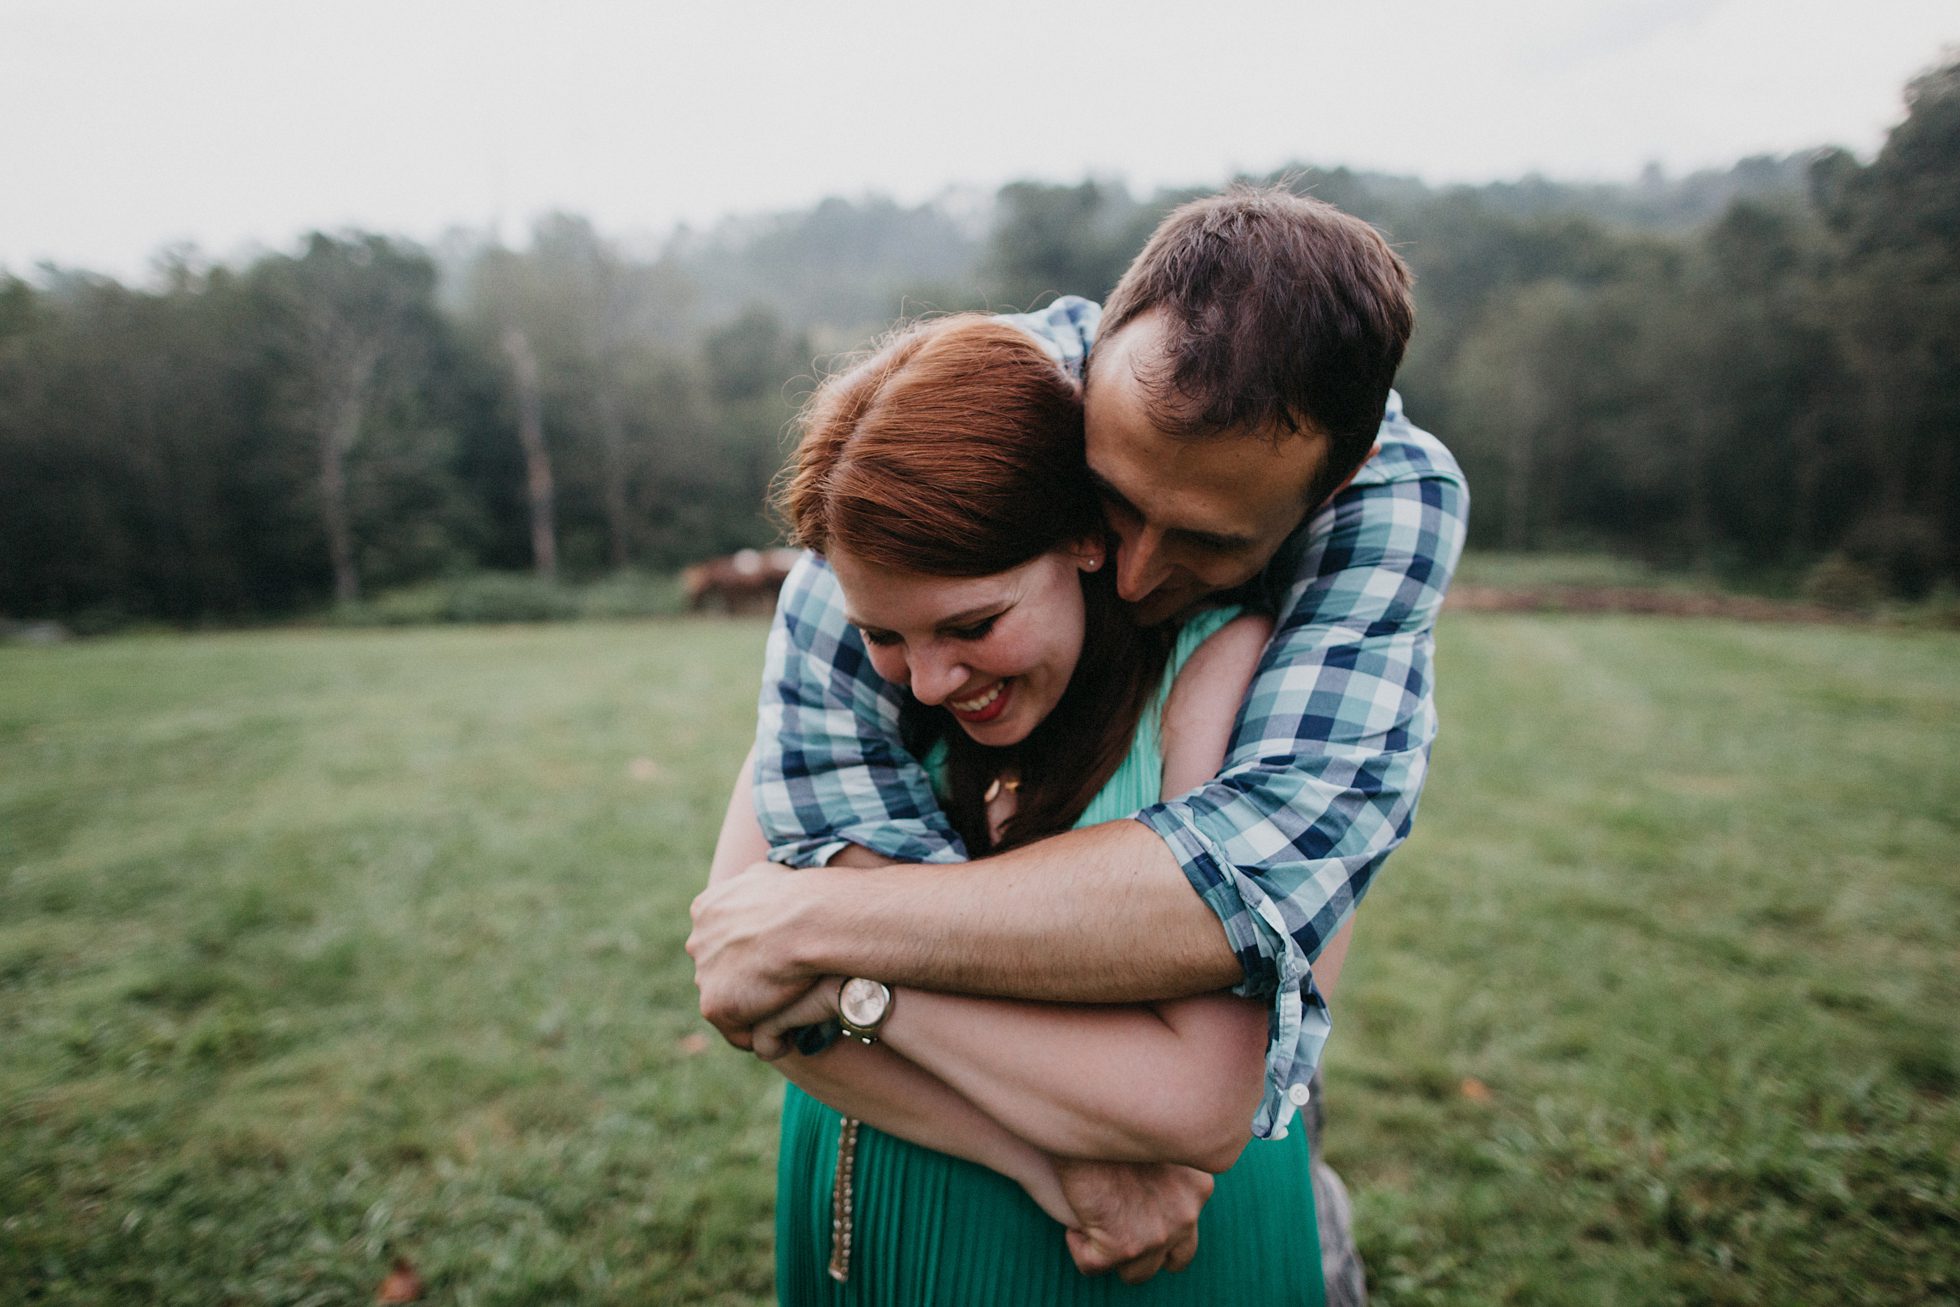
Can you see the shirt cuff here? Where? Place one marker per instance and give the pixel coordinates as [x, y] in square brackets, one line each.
[1276, 967]
[901, 841]
[812, 1040]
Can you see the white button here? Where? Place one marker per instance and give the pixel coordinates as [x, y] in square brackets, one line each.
[1297, 1094]
[1279, 1132]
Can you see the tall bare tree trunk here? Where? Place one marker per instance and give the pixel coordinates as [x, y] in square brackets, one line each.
[537, 463]
[340, 424]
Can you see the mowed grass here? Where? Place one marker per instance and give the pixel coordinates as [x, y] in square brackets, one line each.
[323, 949]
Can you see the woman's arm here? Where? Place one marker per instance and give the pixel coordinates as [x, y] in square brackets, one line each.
[741, 842]
[879, 1087]
[1165, 1082]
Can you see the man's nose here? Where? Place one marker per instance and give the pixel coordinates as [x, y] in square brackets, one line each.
[935, 676]
[1140, 566]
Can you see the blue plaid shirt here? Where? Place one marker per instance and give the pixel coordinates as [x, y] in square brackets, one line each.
[1327, 756]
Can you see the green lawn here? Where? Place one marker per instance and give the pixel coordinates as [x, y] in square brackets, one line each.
[319, 949]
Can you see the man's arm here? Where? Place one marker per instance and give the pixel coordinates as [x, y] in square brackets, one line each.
[1006, 926]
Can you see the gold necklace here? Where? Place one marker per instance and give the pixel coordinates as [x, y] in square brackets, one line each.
[1012, 784]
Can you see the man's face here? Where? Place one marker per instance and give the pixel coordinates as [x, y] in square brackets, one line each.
[1191, 516]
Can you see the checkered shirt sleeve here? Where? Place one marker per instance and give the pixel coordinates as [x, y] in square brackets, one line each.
[830, 769]
[1330, 747]
[1065, 329]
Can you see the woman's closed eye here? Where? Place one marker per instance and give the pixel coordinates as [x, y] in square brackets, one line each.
[977, 631]
[973, 631]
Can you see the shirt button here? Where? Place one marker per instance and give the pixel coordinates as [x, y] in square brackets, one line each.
[1297, 1094]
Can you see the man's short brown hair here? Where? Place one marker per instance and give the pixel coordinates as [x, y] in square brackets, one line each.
[1281, 313]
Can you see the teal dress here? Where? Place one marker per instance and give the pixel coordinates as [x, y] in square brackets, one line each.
[938, 1231]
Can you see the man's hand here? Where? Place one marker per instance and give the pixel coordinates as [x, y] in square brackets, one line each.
[742, 964]
[1133, 1218]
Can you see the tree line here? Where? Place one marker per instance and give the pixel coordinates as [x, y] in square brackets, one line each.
[1748, 369]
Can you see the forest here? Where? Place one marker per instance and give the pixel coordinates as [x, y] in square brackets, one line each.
[1749, 373]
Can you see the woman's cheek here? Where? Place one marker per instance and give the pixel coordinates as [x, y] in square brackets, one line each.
[889, 662]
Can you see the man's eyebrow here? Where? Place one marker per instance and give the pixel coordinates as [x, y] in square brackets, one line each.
[1208, 539]
[1108, 491]
[1212, 539]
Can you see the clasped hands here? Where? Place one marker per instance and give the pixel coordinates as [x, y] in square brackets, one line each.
[1129, 1217]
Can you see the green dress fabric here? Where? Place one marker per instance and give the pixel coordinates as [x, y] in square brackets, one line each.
[938, 1231]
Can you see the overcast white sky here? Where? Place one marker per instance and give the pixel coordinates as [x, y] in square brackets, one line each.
[126, 125]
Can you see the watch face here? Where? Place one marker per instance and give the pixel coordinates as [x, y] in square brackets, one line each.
[862, 1002]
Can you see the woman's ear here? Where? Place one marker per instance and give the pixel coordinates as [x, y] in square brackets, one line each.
[1088, 553]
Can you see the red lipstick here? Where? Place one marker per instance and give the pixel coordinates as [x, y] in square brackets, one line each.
[991, 711]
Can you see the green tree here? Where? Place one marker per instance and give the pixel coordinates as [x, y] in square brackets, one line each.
[1896, 296]
[1060, 240]
[353, 328]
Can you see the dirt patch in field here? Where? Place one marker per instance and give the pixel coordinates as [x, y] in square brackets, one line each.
[1632, 599]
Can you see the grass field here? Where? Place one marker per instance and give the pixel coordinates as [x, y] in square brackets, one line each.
[320, 949]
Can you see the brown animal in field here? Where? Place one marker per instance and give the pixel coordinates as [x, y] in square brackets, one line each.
[744, 582]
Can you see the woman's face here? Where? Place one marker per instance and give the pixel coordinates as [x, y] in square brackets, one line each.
[994, 651]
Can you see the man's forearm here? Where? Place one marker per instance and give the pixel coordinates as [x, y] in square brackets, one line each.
[1098, 915]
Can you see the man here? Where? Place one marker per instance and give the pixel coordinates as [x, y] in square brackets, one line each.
[1240, 422]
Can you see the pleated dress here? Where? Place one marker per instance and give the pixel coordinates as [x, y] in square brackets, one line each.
[938, 1231]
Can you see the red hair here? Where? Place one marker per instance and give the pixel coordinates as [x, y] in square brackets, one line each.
[955, 449]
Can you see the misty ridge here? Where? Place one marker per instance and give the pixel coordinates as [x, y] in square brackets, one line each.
[1744, 371]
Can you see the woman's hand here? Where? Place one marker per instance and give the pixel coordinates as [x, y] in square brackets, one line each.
[818, 1005]
[1133, 1218]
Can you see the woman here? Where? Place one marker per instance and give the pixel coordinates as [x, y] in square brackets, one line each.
[943, 481]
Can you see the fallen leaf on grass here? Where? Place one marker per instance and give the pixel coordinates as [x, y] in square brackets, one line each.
[695, 1044]
[402, 1284]
[1476, 1090]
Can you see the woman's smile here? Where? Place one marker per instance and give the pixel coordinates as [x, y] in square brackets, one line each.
[983, 707]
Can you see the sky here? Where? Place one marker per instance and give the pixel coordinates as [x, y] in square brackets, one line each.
[128, 125]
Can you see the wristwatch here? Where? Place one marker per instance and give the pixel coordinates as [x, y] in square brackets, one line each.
[863, 1007]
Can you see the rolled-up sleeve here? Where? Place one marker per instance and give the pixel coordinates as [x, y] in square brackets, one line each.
[1328, 753]
[829, 769]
